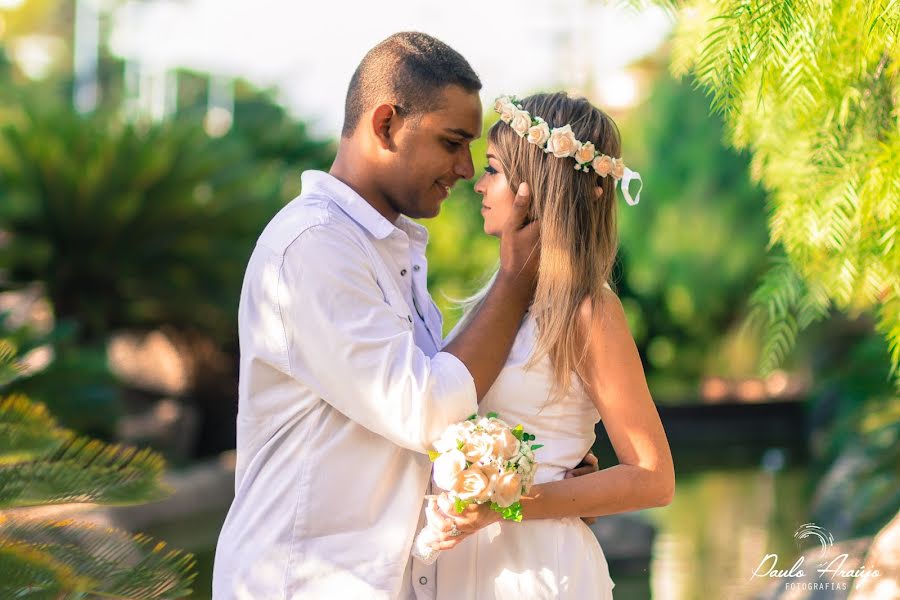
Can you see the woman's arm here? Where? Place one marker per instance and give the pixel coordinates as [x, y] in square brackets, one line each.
[614, 379]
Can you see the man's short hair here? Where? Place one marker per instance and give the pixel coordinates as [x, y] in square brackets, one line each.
[408, 69]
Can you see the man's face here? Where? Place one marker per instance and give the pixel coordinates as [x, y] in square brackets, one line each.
[433, 153]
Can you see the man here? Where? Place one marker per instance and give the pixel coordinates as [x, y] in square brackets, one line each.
[343, 381]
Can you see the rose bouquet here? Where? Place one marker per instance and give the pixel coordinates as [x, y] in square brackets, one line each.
[481, 460]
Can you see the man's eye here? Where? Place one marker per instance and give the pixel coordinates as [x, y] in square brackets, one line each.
[490, 170]
[453, 145]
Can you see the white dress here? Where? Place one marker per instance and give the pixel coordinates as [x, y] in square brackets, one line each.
[533, 559]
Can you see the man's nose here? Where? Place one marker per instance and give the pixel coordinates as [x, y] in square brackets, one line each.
[464, 166]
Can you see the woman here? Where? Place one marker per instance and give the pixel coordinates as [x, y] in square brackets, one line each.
[574, 362]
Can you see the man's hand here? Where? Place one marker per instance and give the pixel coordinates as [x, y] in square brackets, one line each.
[520, 242]
[589, 464]
[444, 520]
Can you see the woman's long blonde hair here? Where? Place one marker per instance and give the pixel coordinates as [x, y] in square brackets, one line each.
[577, 213]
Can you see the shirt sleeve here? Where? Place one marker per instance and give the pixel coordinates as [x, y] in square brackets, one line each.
[354, 350]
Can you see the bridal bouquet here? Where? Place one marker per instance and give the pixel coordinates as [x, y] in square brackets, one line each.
[479, 461]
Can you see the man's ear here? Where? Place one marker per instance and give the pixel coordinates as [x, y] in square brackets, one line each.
[385, 119]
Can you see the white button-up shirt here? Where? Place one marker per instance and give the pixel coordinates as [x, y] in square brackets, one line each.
[342, 391]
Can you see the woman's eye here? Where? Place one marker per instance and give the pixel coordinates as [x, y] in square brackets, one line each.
[490, 170]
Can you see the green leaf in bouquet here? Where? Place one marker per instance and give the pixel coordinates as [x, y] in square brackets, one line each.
[513, 512]
[536, 446]
[472, 417]
[433, 455]
[517, 432]
[460, 505]
[492, 415]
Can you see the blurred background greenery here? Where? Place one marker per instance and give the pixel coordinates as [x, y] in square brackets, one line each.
[124, 235]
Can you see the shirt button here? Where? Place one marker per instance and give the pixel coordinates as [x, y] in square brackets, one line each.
[416, 268]
[423, 580]
[403, 272]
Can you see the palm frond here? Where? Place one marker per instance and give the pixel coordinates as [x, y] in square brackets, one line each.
[84, 470]
[27, 430]
[10, 367]
[80, 557]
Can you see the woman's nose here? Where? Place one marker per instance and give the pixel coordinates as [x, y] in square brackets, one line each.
[479, 186]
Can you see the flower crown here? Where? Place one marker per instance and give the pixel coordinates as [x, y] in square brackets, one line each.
[561, 143]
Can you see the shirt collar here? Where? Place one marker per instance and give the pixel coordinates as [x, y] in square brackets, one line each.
[350, 202]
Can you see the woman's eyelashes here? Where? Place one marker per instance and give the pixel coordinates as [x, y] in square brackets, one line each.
[490, 170]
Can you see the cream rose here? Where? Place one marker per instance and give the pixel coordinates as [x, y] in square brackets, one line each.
[505, 444]
[472, 484]
[585, 154]
[507, 488]
[539, 134]
[618, 168]
[507, 111]
[603, 165]
[449, 440]
[562, 142]
[521, 122]
[447, 468]
[500, 102]
[479, 445]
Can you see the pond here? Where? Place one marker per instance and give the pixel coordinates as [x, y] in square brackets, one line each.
[732, 507]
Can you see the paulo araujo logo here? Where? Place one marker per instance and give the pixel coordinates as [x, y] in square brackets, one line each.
[811, 530]
[830, 575]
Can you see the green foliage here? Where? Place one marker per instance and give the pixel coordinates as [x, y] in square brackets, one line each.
[812, 89]
[856, 449]
[42, 463]
[689, 249]
[146, 226]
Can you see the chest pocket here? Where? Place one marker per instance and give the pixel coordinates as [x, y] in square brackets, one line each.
[393, 297]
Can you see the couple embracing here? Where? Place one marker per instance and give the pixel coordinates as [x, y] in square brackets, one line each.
[346, 380]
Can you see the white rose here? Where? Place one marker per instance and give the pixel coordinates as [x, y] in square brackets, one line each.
[603, 165]
[479, 446]
[562, 142]
[472, 484]
[447, 468]
[507, 111]
[521, 122]
[450, 439]
[500, 102]
[539, 134]
[585, 154]
[507, 488]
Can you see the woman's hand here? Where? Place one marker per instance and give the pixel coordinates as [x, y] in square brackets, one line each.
[450, 527]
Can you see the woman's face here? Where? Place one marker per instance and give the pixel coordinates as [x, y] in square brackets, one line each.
[496, 195]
